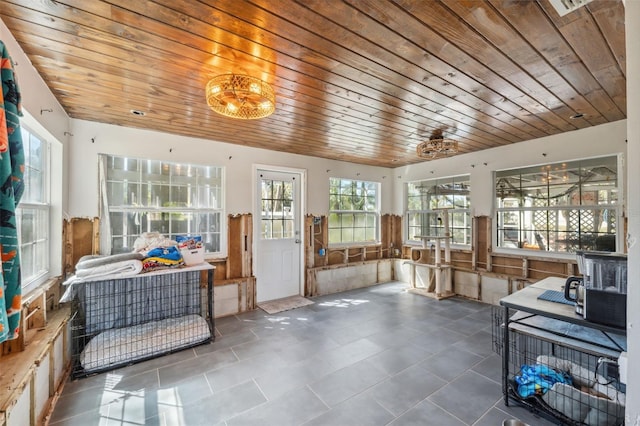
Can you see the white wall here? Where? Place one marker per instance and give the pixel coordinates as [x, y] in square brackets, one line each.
[595, 141]
[632, 16]
[90, 139]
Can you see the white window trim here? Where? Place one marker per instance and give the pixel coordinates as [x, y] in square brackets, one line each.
[377, 212]
[405, 229]
[35, 281]
[620, 215]
[105, 227]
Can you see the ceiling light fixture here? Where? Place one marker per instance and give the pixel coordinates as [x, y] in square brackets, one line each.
[437, 147]
[240, 96]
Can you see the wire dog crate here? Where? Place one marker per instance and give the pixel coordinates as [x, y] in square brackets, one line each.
[116, 322]
[561, 371]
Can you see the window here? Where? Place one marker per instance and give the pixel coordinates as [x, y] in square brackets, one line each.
[32, 214]
[561, 207]
[277, 220]
[170, 198]
[426, 198]
[354, 211]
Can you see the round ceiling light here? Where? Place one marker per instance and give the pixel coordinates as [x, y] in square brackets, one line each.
[240, 96]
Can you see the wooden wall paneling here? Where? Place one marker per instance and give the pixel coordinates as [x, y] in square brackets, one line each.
[386, 235]
[506, 265]
[219, 274]
[352, 254]
[540, 268]
[397, 231]
[82, 238]
[310, 250]
[390, 235]
[16, 345]
[247, 254]
[324, 237]
[337, 256]
[474, 243]
[67, 254]
[371, 252]
[251, 293]
[488, 249]
[310, 289]
[240, 242]
[309, 242]
[462, 259]
[482, 243]
[235, 247]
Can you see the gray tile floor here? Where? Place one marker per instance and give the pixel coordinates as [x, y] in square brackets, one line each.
[373, 356]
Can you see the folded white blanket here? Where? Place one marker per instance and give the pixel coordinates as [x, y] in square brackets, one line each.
[93, 261]
[124, 269]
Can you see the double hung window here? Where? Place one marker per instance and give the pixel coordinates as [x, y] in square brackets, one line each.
[427, 201]
[33, 211]
[354, 211]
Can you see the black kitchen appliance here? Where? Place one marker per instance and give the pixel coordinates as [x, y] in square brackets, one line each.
[605, 287]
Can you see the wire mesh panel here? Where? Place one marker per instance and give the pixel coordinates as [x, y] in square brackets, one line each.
[120, 321]
[555, 370]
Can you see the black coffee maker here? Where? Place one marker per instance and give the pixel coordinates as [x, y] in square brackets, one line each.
[600, 293]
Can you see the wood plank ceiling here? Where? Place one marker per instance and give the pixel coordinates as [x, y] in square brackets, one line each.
[362, 81]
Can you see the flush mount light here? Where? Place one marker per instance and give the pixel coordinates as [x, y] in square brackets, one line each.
[240, 96]
[437, 146]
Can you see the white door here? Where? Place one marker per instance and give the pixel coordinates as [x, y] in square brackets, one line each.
[278, 224]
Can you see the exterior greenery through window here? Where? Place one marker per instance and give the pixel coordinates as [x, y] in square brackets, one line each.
[561, 207]
[425, 198]
[170, 198]
[277, 219]
[32, 214]
[354, 211]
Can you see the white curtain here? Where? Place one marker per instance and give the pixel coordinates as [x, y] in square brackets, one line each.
[105, 220]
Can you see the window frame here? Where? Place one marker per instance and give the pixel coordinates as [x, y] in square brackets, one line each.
[159, 207]
[617, 207]
[466, 211]
[44, 208]
[278, 224]
[375, 213]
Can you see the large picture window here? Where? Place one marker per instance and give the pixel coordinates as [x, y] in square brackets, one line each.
[561, 207]
[32, 214]
[157, 196]
[425, 201]
[354, 211]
